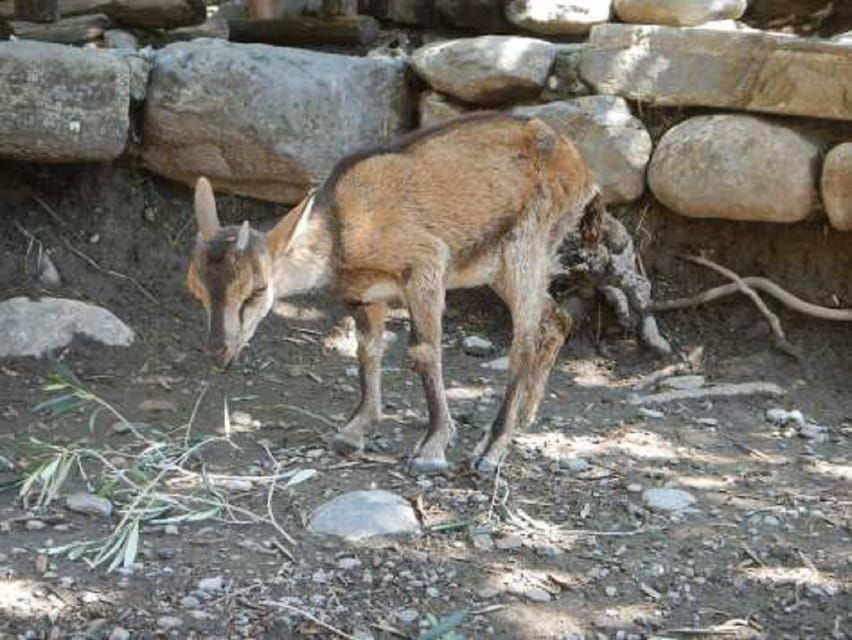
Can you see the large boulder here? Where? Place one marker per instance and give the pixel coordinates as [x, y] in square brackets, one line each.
[488, 69]
[62, 104]
[613, 142]
[680, 13]
[748, 70]
[836, 186]
[34, 327]
[558, 18]
[267, 122]
[735, 167]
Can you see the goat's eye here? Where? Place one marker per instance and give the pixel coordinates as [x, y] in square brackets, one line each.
[258, 293]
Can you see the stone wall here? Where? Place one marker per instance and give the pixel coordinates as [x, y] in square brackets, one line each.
[765, 135]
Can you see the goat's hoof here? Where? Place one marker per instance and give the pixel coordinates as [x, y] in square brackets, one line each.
[485, 468]
[420, 466]
[345, 445]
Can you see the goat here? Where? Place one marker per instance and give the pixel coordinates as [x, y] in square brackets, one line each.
[482, 200]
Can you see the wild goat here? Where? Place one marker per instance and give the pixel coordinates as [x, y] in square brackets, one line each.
[484, 200]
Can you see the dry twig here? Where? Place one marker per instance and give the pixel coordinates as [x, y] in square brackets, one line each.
[275, 604]
[110, 272]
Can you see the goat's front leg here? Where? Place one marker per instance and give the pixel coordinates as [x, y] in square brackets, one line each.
[425, 298]
[369, 325]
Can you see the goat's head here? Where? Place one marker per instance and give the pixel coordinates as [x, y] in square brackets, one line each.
[230, 273]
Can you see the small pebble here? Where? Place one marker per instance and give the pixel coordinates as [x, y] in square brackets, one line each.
[407, 616]
[477, 346]
[611, 591]
[167, 623]
[211, 585]
[348, 563]
[35, 525]
[119, 633]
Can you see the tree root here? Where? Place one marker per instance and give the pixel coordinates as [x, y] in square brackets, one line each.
[747, 286]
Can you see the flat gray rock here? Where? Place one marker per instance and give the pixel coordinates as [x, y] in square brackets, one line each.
[362, 514]
[33, 327]
[62, 104]
[266, 122]
[666, 499]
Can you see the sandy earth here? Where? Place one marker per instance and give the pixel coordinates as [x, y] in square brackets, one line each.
[564, 545]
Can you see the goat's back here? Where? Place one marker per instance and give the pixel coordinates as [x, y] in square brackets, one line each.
[452, 192]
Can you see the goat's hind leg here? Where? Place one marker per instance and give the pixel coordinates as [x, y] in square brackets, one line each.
[369, 324]
[539, 329]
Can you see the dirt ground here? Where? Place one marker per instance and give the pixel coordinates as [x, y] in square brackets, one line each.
[562, 546]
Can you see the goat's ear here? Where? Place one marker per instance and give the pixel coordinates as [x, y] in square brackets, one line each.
[281, 237]
[193, 282]
[243, 236]
[205, 209]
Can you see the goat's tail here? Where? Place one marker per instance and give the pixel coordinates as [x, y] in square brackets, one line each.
[592, 220]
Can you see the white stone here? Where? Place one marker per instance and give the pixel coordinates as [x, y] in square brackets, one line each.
[836, 186]
[168, 623]
[682, 382]
[361, 514]
[735, 167]
[33, 327]
[89, 504]
[487, 69]
[667, 499]
[575, 465]
[263, 121]
[744, 70]
[408, 616]
[211, 585]
[119, 633]
[498, 364]
[679, 13]
[615, 145]
[782, 417]
[477, 346]
[558, 17]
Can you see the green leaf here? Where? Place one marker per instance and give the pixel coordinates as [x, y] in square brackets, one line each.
[444, 626]
[132, 546]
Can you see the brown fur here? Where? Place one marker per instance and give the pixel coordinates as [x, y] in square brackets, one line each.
[482, 200]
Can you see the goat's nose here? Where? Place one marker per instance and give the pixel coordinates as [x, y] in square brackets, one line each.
[220, 355]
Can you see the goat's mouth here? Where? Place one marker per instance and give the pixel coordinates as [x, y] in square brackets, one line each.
[222, 357]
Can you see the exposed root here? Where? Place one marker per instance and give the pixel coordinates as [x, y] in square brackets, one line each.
[761, 284]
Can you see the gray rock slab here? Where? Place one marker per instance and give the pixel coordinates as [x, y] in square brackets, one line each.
[263, 121]
[89, 504]
[33, 327]
[61, 103]
[362, 514]
[747, 70]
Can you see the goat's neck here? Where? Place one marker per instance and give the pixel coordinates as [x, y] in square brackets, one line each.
[306, 264]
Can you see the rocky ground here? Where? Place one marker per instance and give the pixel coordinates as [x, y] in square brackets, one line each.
[620, 514]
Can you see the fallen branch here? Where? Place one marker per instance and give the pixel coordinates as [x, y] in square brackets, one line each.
[781, 342]
[713, 391]
[761, 284]
[110, 272]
